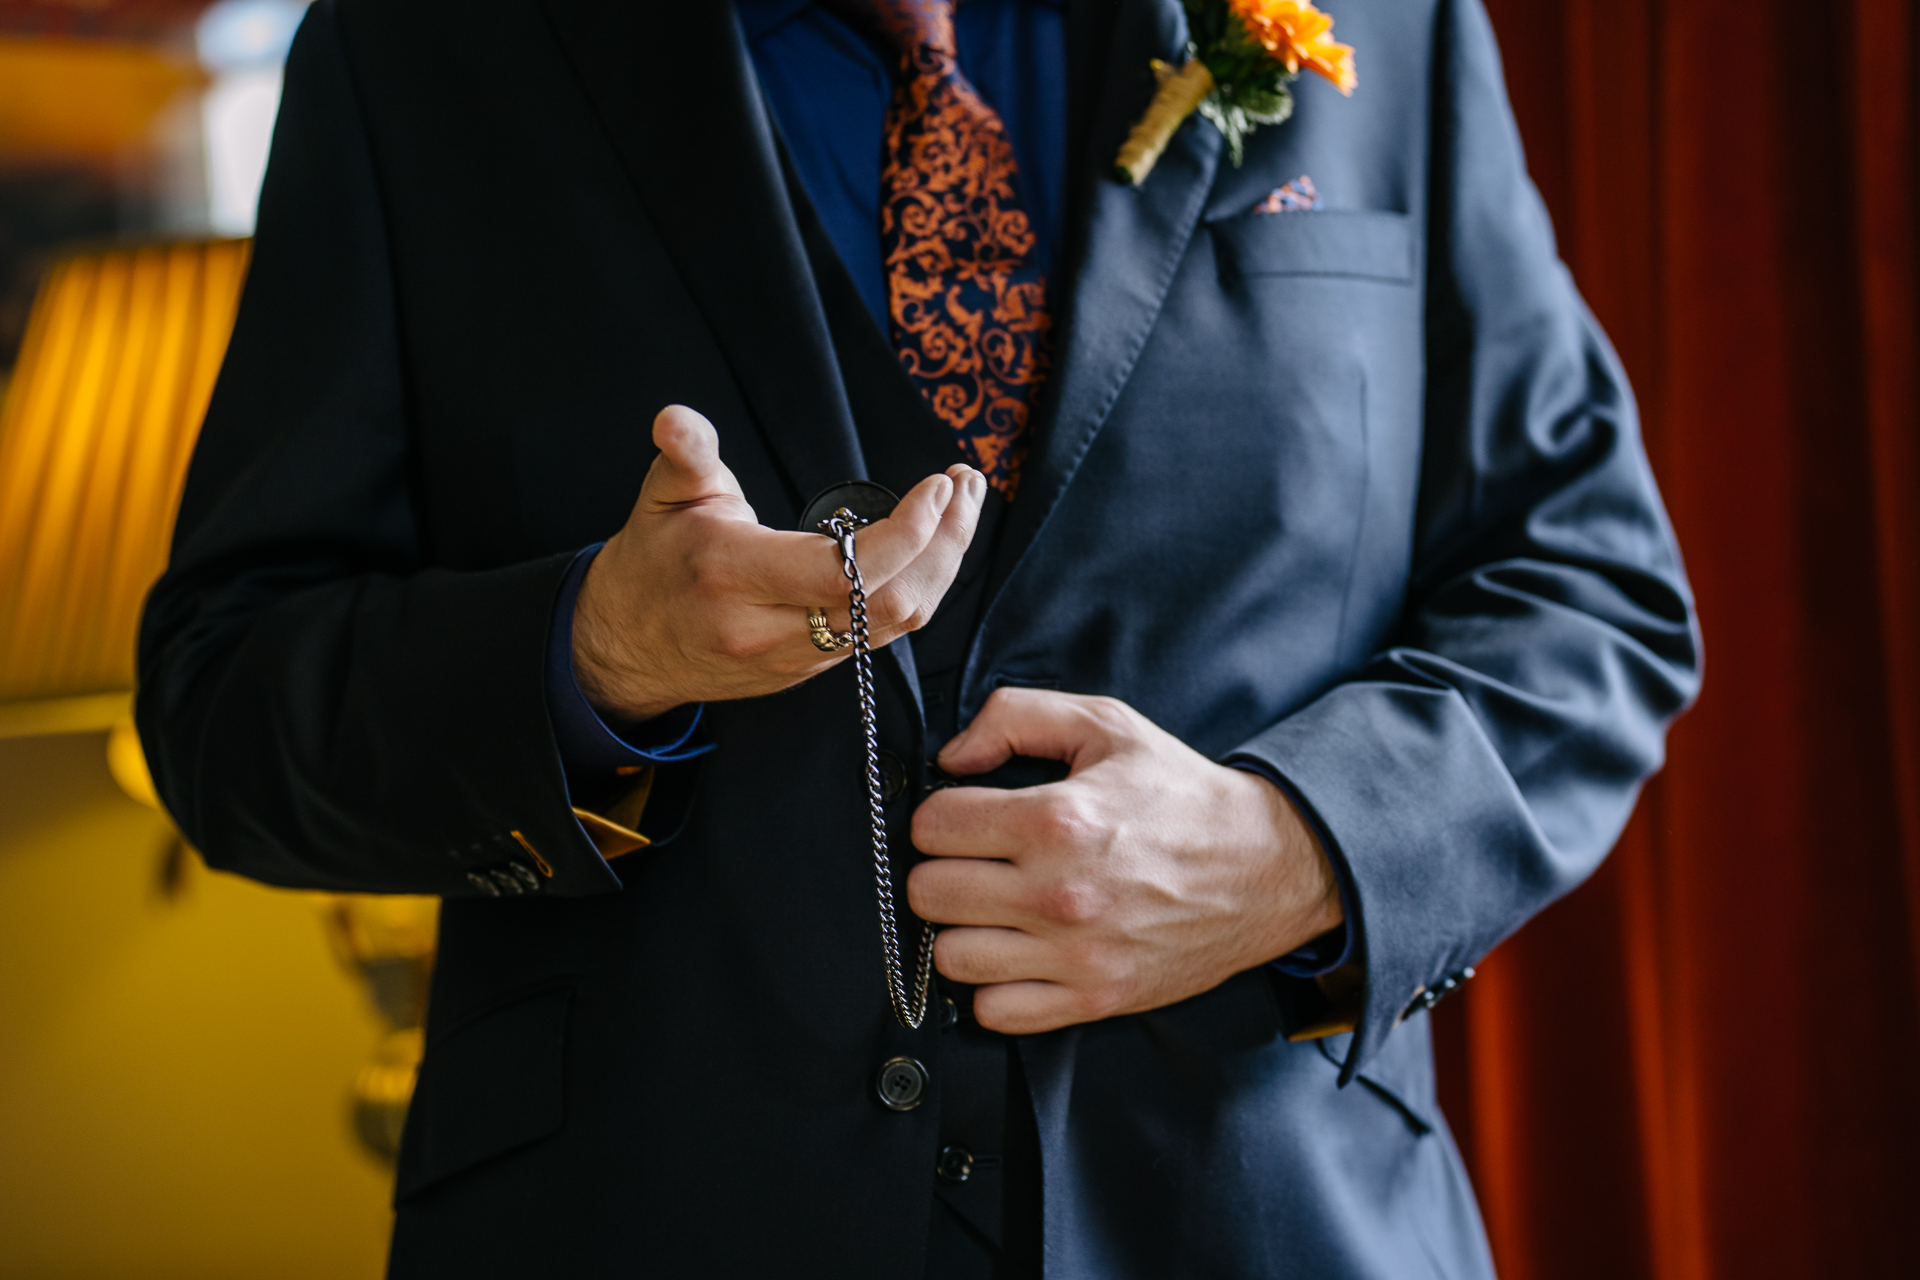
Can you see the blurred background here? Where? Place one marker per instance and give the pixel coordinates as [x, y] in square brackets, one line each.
[199, 1077]
[1703, 1064]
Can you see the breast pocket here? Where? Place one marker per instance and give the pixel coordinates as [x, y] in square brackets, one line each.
[1356, 245]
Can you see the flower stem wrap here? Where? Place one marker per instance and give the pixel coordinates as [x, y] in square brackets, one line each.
[1181, 92]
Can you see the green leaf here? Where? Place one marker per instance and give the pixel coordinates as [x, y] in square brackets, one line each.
[1238, 110]
[1267, 106]
[1251, 87]
[1231, 122]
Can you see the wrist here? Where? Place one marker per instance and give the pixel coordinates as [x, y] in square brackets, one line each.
[604, 667]
[1303, 887]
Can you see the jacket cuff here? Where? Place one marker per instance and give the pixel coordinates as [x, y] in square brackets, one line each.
[1432, 832]
[548, 851]
[610, 774]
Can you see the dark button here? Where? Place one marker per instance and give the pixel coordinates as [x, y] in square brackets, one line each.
[893, 776]
[949, 1013]
[901, 1084]
[955, 1164]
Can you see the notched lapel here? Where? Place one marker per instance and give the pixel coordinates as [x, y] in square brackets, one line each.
[1122, 262]
[673, 87]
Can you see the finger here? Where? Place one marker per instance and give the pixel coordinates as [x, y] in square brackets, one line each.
[1029, 1008]
[805, 569]
[776, 570]
[993, 822]
[909, 599]
[887, 546]
[967, 891]
[783, 575]
[1035, 722]
[979, 957]
[688, 469]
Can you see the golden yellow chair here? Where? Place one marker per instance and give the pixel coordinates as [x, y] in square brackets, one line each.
[96, 428]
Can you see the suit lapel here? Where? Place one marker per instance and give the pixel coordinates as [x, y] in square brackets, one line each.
[1129, 243]
[676, 93]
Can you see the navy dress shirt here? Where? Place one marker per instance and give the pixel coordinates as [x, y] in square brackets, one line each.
[828, 84]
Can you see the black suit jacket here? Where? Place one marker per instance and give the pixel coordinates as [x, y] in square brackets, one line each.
[1357, 495]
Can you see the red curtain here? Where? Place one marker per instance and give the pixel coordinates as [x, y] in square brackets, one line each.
[1706, 1062]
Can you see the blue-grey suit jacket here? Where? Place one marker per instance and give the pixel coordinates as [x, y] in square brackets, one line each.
[1357, 495]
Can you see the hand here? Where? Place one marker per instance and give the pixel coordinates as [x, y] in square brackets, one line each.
[694, 601]
[1148, 875]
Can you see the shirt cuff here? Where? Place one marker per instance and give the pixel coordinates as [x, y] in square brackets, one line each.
[591, 750]
[1335, 947]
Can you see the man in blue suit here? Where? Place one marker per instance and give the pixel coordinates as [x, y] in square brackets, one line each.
[1280, 611]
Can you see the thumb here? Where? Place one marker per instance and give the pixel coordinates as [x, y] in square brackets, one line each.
[688, 470]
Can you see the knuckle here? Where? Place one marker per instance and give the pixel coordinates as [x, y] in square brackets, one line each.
[1071, 902]
[919, 615]
[1065, 822]
[738, 646]
[1078, 958]
[828, 584]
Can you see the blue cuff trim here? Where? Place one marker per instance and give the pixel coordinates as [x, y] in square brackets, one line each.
[589, 746]
[1335, 947]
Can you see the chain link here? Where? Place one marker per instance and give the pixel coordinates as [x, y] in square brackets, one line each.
[909, 1006]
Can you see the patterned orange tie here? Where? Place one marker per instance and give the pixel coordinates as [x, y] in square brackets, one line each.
[966, 297]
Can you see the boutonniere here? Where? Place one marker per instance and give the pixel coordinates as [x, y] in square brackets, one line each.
[1242, 56]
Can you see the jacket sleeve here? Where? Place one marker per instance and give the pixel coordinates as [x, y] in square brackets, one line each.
[322, 707]
[1484, 763]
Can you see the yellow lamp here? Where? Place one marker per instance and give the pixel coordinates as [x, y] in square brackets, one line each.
[64, 98]
[96, 428]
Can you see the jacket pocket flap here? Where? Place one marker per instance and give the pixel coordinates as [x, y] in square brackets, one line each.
[1358, 245]
[493, 1084]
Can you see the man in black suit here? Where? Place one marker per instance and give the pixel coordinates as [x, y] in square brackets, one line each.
[1303, 618]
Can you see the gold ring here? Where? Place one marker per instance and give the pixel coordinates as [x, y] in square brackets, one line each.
[824, 638]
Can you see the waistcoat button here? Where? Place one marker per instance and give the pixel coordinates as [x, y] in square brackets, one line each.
[955, 1164]
[893, 776]
[901, 1084]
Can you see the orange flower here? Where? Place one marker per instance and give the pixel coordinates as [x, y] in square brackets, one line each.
[1296, 34]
